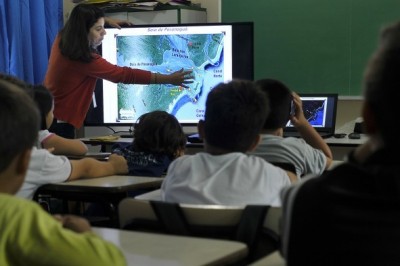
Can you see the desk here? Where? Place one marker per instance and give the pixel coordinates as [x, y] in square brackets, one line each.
[101, 156]
[108, 190]
[273, 259]
[341, 147]
[346, 142]
[106, 145]
[167, 250]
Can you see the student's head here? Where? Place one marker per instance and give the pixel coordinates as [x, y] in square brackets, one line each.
[280, 98]
[44, 101]
[159, 132]
[382, 87]
[19, 122]
[235, 113]
[83, 32]
[18, 82]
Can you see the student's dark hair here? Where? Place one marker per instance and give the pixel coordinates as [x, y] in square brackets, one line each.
[158, 132]
[19, 122]
[382, 83]
[16, 81]
[235, 113]
[280, 98]
[44, 101]
[74, 42]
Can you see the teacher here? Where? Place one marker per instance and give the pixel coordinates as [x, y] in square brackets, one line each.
[75, 65]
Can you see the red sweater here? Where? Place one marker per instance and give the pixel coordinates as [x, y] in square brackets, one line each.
[72, 82]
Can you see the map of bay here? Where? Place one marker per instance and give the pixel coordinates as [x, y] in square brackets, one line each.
[314, 112]
[201, 53]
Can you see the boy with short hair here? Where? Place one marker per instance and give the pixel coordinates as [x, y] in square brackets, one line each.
[224, 174]
[28, 234]
[309, 154]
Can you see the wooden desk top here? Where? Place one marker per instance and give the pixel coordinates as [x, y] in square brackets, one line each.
[109, 184]
[158, 249]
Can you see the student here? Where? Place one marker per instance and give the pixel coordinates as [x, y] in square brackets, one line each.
[350, 215]
[75, 66]
[58, 145]
[158, 139]
[309, 154]
[223, 173]
[28, 234]
[45, 168]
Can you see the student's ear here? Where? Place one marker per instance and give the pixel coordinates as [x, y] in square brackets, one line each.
[255, 143]
[200, 129]
[369, 123]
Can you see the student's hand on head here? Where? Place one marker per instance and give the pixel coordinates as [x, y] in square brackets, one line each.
[298, 119]
[117, 23]
[119, 163]
[181, 78]
[74, 223]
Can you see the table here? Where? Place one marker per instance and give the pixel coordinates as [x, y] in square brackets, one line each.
[273, 259]
[106, 145]
[340, 147]
[168, 250]
[346, 142]
[101, 156]
[108, 191]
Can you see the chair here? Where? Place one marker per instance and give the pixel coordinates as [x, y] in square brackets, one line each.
[285, 166]
[255, 225]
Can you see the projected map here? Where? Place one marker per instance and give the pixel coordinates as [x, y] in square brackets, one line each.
[201, 53]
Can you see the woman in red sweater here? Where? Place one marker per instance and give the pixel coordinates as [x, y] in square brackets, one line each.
[75, 65]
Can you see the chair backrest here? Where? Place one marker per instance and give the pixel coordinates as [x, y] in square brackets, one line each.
[255, 225]
[285, 166]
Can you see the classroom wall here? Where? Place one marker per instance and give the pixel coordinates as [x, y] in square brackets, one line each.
[348, 109]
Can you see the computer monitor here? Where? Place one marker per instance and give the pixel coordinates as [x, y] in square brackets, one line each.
[215, 52]
[320, 111]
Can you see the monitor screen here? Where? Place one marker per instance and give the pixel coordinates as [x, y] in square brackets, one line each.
[319, 109]
[214, 52]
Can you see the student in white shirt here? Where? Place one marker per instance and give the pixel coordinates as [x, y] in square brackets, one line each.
[224, 173]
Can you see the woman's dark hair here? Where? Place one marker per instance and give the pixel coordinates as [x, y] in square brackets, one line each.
[74, 42]
[158, 132]
[44, 101]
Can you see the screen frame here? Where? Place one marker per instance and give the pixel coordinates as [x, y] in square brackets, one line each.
[242, 67]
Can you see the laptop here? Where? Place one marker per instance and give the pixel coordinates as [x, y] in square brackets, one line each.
[320, 110]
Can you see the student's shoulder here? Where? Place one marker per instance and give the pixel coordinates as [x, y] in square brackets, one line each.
[17, 207]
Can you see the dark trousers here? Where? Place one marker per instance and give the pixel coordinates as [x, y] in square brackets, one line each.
[63, 129]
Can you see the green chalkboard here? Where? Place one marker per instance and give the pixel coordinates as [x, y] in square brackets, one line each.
[314, 45]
